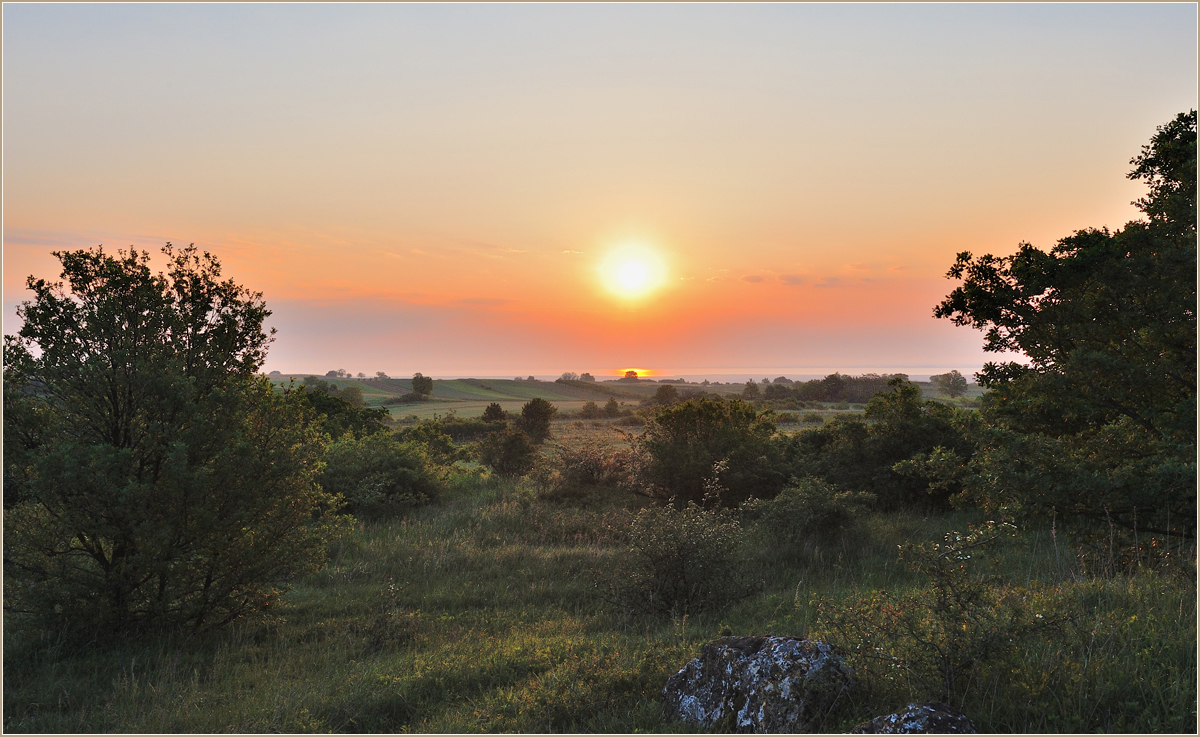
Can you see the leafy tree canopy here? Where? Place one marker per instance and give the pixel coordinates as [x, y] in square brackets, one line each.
[1104, 405]
[160, 480]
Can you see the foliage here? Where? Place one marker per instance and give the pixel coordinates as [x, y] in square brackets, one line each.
[593, 464]
[750, 391]
[494, 413]
[683, 442]
[682, 561]
[933, 639]
[509, 452]
[665, 396]
[337, 411]
[379, 476]
[463, 428]
[860, 456]
[590, 411]
[179, 487]
[438, 444]
[585, 376]
[954, 384]
[1106, 320]
[611, 408]
[422, 385]
[535, 418]
[841, 388]
[807, 509]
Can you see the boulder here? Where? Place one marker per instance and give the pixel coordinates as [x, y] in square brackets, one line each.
[758, 684]
[931, 717]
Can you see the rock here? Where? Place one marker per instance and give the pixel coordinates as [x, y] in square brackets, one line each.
[757, 684]
[931, 717]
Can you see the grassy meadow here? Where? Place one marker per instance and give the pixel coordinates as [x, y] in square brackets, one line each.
[490, 611]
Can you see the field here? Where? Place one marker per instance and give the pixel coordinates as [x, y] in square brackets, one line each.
[469, 397]
[489, 611]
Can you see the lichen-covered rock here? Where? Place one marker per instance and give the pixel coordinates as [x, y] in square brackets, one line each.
[757, 684]
[931, 717]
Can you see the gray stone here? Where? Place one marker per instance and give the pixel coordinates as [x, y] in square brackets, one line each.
[758, 684]
[931, 717]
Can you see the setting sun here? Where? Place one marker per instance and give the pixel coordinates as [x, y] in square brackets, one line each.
[633, 271]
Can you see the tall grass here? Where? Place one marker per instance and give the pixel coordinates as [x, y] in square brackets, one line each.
[482, 613]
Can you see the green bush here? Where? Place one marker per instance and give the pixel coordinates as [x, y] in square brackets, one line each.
[535, 419]
[437, 444]
[508, 452]
[808, 508]
[683, 442]
[814, 418]
[929, 643]
[380, 476]
[682, 561]
[163, 481]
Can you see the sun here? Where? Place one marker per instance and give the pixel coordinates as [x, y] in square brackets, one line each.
[633, 271]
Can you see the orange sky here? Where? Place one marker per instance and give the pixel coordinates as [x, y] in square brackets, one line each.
[425, 188]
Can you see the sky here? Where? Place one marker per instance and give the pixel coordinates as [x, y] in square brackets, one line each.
[500, 190]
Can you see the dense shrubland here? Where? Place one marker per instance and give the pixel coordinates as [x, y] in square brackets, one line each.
[1032, 562]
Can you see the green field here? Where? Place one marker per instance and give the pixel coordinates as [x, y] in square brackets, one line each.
[468, 397]
[488, 612]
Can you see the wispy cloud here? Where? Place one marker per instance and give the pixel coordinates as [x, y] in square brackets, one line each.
[828, 281]
[791, 279]
[484, 301]
[568, 251]
[753, 278]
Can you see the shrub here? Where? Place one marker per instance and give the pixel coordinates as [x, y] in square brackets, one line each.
[165, 483]
[786, 418]
[535, 419]
[806, 509]
[681, 561]
[494, 413]
[590, 411]
[929, 642]
[683, 442]
[594, 464]
[813, 418]
[509, 452]
[437, 444]
[380, 476]
[612, 408]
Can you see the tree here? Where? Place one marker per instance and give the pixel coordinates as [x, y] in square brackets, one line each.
[422, 385]
[611, 408]
[380, 375]
[953, 383]
[380, 476]
[569, 376]
[509, 452]
[162, 481]
[1099, 423]
[589, 411]
[631, 374]
[684, 442]
[361, 375]
[862, 456]
[585, 376]
[535, 418]
[751, 390]
[493, 413]
[665, 396]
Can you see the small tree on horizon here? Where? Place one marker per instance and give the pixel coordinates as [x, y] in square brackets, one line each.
[422, 385]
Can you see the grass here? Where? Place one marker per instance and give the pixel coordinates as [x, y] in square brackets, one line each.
[482, 613]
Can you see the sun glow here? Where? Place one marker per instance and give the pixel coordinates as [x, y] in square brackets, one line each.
[633, 271]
